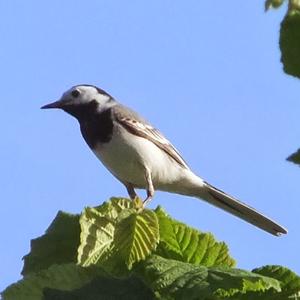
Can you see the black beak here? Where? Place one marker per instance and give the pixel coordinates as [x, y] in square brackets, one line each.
[56, 104]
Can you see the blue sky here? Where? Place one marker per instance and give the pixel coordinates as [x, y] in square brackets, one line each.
[207, 74]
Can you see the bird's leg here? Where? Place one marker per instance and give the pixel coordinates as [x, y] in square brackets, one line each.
[150, 188]
[136, 201]
[130, 190]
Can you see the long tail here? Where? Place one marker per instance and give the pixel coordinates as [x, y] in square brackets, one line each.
[240, 209]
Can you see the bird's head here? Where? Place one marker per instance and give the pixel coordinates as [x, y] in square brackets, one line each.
[82, 100]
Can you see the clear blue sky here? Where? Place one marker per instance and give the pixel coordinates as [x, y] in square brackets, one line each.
[206, 73]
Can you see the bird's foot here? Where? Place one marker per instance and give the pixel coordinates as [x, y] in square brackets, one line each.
[146, 201]
[150, 194]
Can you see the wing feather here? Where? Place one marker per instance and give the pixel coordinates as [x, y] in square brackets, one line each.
[137, 126]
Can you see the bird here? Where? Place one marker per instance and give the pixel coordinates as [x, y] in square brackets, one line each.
[140, 156]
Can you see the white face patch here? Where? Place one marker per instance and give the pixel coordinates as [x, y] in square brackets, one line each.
[83, 94]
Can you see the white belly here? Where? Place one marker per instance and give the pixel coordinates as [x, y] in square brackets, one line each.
[127, 156]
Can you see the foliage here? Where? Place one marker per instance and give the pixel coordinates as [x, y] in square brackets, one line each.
[120, 251]
[289, 42]
[58, 245]
[186, 244]
[295, 157]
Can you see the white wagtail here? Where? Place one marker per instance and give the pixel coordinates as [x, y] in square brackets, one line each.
[139, 156]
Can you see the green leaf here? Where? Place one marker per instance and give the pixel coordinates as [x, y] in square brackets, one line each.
[97, 233]
[180, 242]
[294, 6]
[57, 246]
[273, 4]
[103, 288]
[172, 279]
[136, 236]
[64, 277]
[97, 230]
[114, 235]
[240, 284]
[290, 42]
[295, 157]
[289, 281]
[114, 207]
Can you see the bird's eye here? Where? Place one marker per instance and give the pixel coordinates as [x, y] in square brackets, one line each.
[75, 93]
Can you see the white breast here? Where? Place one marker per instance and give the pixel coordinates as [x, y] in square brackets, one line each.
[127, 155]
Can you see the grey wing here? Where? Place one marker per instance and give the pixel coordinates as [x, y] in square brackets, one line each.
[136, 125]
